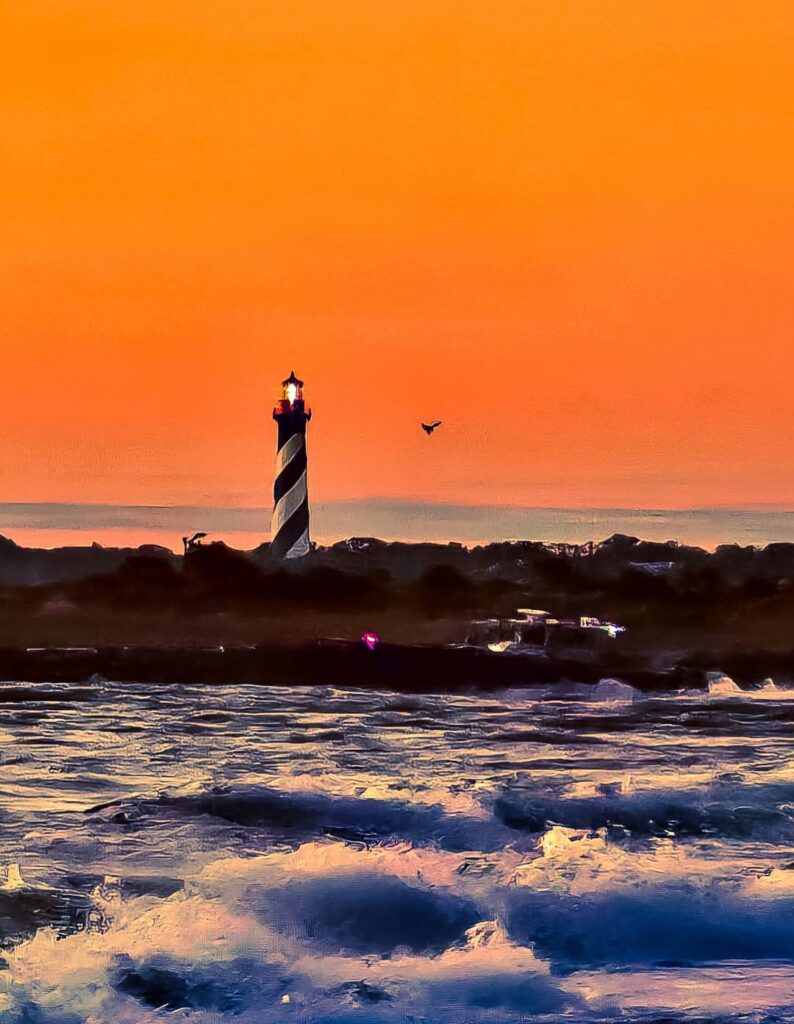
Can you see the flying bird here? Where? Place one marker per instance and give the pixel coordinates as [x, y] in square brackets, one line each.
[430, 427]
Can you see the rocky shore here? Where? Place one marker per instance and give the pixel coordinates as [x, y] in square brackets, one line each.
[402, 668]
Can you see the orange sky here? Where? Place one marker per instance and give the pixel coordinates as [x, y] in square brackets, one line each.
[565, 228]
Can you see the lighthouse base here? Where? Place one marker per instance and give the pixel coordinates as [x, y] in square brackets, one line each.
[300, 548]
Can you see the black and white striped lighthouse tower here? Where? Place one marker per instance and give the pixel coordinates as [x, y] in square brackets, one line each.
[290, 525]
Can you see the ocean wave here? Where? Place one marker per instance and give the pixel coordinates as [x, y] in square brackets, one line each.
[364, 913]
[664, 925]
[382, 873]
[25, 908]
[334, 933]
[300, 814]
[737, 811]
[166, 983]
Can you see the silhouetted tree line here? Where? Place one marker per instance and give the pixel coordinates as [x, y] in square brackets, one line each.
[367, 573]
[215, 577]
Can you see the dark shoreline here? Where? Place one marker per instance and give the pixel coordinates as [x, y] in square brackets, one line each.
[217, 615]
[401, 668]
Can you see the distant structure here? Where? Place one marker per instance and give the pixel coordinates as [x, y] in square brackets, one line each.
[290, 524]
[191, 543]
[536, 630]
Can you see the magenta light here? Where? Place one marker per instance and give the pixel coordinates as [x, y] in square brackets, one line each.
[370, 639]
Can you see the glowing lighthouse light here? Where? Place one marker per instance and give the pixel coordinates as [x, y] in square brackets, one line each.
[292, 389]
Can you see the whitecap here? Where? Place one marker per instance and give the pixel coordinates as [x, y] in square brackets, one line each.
[614, 690]
[720, 685]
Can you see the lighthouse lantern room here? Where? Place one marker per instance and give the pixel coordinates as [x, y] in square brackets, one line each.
[292, 390]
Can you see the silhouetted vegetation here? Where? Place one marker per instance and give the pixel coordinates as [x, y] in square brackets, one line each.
[668, 595]
[443, 588]
[140, 581]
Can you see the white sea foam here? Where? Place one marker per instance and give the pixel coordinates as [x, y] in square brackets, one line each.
[458, 868]
[615, 690]
[720, 685]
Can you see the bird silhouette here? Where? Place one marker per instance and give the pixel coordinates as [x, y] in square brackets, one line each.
[430, 427]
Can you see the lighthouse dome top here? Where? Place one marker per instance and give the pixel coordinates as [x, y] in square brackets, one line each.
[292, 379]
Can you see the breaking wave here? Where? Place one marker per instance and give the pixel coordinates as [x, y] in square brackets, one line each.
[183, 857]
[725, 810]
[302, 814]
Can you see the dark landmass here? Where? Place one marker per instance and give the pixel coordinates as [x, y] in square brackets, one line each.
[150, 615]
[402, 667]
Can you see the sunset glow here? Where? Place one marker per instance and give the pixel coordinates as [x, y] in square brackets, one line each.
[564, 229]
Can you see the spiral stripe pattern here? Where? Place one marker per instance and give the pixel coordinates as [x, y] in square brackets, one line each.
[290, 523]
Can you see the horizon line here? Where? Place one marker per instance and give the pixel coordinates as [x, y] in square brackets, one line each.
[403, 502]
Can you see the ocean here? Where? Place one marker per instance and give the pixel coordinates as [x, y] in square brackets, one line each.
[251, 855]
[52, 525]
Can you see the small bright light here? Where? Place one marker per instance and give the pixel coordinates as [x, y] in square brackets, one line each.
[292, 392]
[370, 640]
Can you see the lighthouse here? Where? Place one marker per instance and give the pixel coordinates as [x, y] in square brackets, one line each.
[290, 525]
